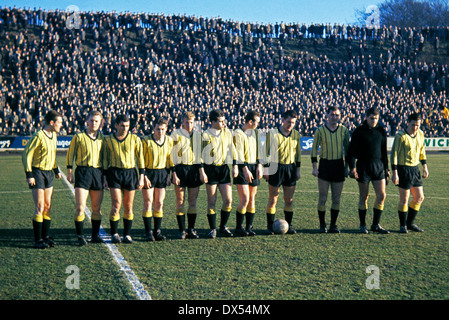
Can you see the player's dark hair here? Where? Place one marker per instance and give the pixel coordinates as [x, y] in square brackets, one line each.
[160, 121]
[371, 111]
[289, 114]
[215, 114]
[332, 109]
[121, 118]
[52, 115]
[414, 117]
[251, 115]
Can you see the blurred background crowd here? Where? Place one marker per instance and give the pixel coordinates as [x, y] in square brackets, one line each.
[150, 65]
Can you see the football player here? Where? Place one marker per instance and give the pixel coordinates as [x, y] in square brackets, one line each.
[186, 158]
[39, 162]
[156, 151]
[246, 141]
[407, 152]
[333, 138]
[283, 147]
[217, 154]
[85, 150]
[122, 152]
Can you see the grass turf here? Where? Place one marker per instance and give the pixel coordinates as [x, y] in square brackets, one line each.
[304, 266]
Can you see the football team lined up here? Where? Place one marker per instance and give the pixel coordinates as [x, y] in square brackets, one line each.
[188, 158]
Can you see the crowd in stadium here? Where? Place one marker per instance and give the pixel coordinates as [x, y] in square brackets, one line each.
[125, 63]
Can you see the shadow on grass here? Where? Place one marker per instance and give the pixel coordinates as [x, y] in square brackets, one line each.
[24, 238]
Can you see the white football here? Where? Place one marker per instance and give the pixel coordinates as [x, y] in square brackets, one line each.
[280, 226]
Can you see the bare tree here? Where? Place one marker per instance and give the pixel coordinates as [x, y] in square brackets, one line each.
[407, 13]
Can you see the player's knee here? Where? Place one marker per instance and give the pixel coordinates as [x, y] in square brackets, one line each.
[227, 202]
[380, 198]
[79, 210]
[115, 205]
[288, 201]
[158, 205]
[272, 202]
[96, 207]
[419, 199]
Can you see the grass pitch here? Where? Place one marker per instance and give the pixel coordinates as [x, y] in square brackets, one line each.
[305, 266]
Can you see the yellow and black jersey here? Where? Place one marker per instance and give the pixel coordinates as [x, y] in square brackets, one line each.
[334, 144]
[123, 154]
[246, 146]
[40, 152]
[283, 149]
[408, 150]
[85, 151]
[157, 156]
[186, 147]
[217, 147]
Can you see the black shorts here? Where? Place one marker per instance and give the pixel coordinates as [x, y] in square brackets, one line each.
[88, 178]
[409, 177]
[157, 177]
[285, 176]
[122, 178]
[240, 179]
[189, 175]
[331, 170]
[217, 174]
[370, 171]
[43, 178]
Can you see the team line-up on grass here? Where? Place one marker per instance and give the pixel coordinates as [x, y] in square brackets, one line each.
[189, 158]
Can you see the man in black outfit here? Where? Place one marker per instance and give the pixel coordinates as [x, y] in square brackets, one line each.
[369, 146]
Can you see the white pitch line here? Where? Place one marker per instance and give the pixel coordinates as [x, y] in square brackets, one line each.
[139, 290]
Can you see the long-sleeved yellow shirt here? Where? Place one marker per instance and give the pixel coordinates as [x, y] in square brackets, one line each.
[217, 147]
[283, 149]
[40, 152]
[408, 150]
[186, 148]
[246, 146]
[334, 144]
[124, 154]
[157, 156]
[85, 151]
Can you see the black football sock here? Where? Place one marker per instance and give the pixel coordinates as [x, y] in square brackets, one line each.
[376, 216]
[96, 226]
[212, 219]
[411, 216]
[147, 222]
[37, 229]
[157, 223]
[45, 228]
[181, 222]
[127, 225]
[402, 218]
[191, 219]
[270, 219]
[114, 226]
[239, 219]
[321, 217]
[224, 217]
[362, 217]
[334, 216]
[249, 219]
[288, 216]
[79, 227]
